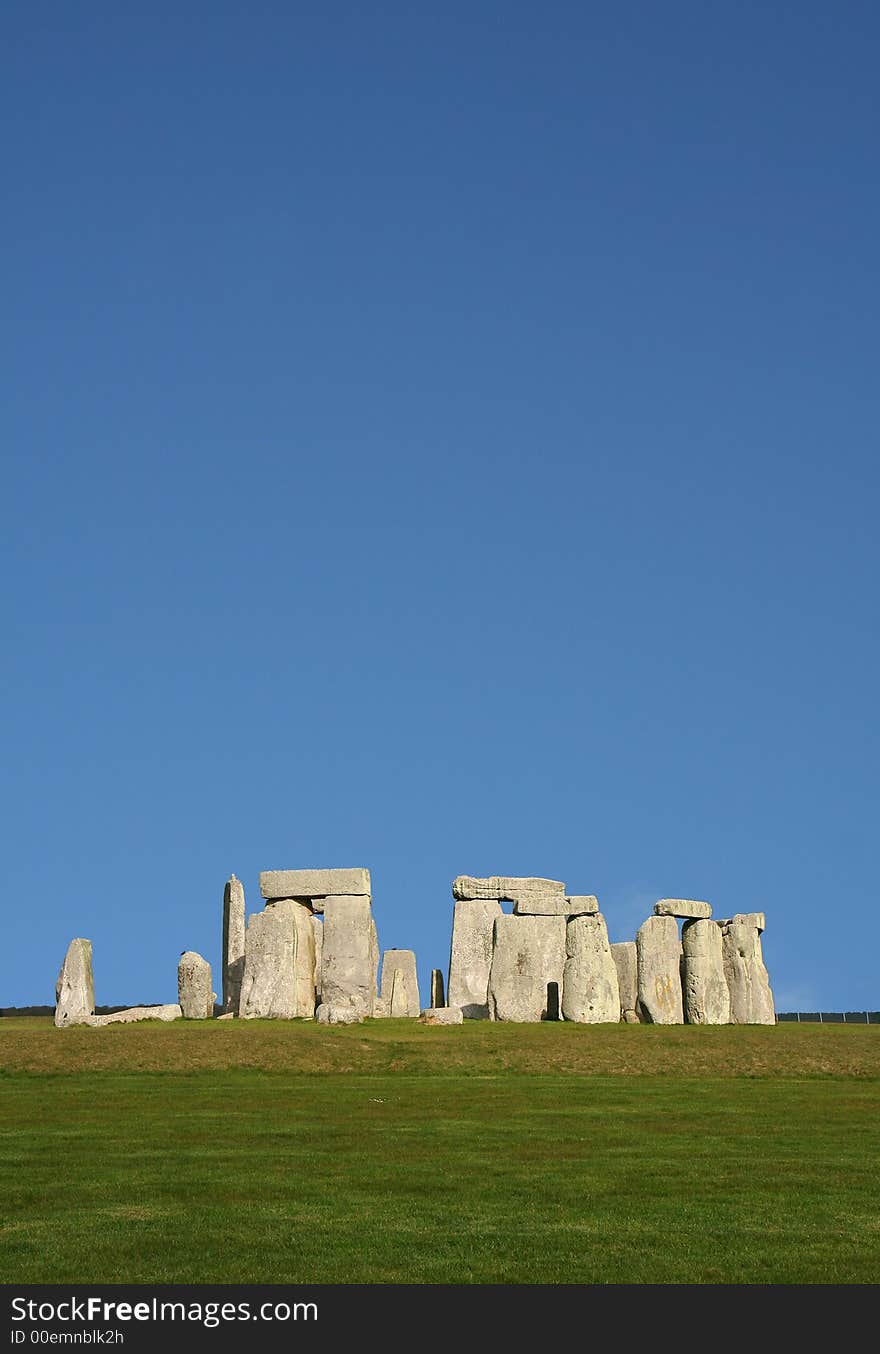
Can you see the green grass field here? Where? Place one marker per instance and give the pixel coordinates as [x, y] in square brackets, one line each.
[389, 1152]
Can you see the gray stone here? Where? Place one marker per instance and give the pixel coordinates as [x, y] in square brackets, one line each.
[75, 988]
[441, 1015]
[228, 1015]
[233, 942]
[505, 888]
[338, 1015]
[704, 987]
[751, 1000]
[438, 998]
[381, 1010]
[471, 956]
[682, 907]
[318, 929]
[626, 962]
[135, 1013]
[348, 974]
[755, 919]
[314, 883]
[194, 986]
[582, 905]
[590, 988]
[404, 960]
[375, 954]
[528, 953]
[399, 1004]
[555, 905]
[659, 954]
[279, 964]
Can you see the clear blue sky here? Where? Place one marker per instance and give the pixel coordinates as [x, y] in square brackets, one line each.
[441, 438]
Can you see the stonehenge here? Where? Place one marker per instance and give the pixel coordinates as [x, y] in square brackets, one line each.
[522, 950]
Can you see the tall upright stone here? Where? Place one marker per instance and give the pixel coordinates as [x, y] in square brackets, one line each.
[348, 973]
[279, 964]
[399, 1005]
[528, 953]
[233, 942]
[318, 929]
[704, 986]
[658, 953]
[194, 993]
[590, 987]
[438, 999]
[405, 961]
[375, 956]
[470, 956]
[75, 988]
[627, 965]
[751, 1000]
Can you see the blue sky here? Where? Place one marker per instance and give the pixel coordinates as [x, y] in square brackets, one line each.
[439, 438]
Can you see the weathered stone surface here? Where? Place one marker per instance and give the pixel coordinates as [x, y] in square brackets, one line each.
[404, 960]
[314, 883]
[751, 1000]
[626, 962]
[438, 997]
[682, 907]
[555, 905]
[279, 964]
[441, 1015]
[338, 1015]
[194, 986]
[135, 1013]
[233, 943]
[590, 988]
[658, 952]
[381, 1010]
[318, 929]
[471, 956]
[755, 919]
[527, 954]
[505, 888]
[348, 973]
[75, 988]
[375, 954]
[399, 1004]
[704, 987]
[228, 1015]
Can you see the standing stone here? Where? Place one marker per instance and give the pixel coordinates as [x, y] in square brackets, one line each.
[590, 987]
[470, 957]
[405, 960]
[626, 963]
[658, 953]
[704, 986]
[75, 989]
[194, 986]
[348, 973]
[438, 999]
[400, 1001]
[314, 883]
[682, 907]
[527, 954]
[233, 942]
[375, 955]
[751, 1000]
[279, 964]
[318, 929]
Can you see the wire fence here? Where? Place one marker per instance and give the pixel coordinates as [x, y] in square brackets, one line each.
[831, 1017]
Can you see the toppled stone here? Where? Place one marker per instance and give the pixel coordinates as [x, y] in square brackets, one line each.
[405, 961]
[528, 953]
[314, 883]
[590, 988]
[682, 907]
[438, 998]
[505, 888]
[658, 954]
[751, 999]
[442, 1015]
[135, 1013]
[194, 986]
[704, 987]
[626, 962]
[279, 964]
[233, 942]
[338, 1015]
[348, 973]
[318, 929]
[470, 957]
[75, 988]
[228, 1015]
